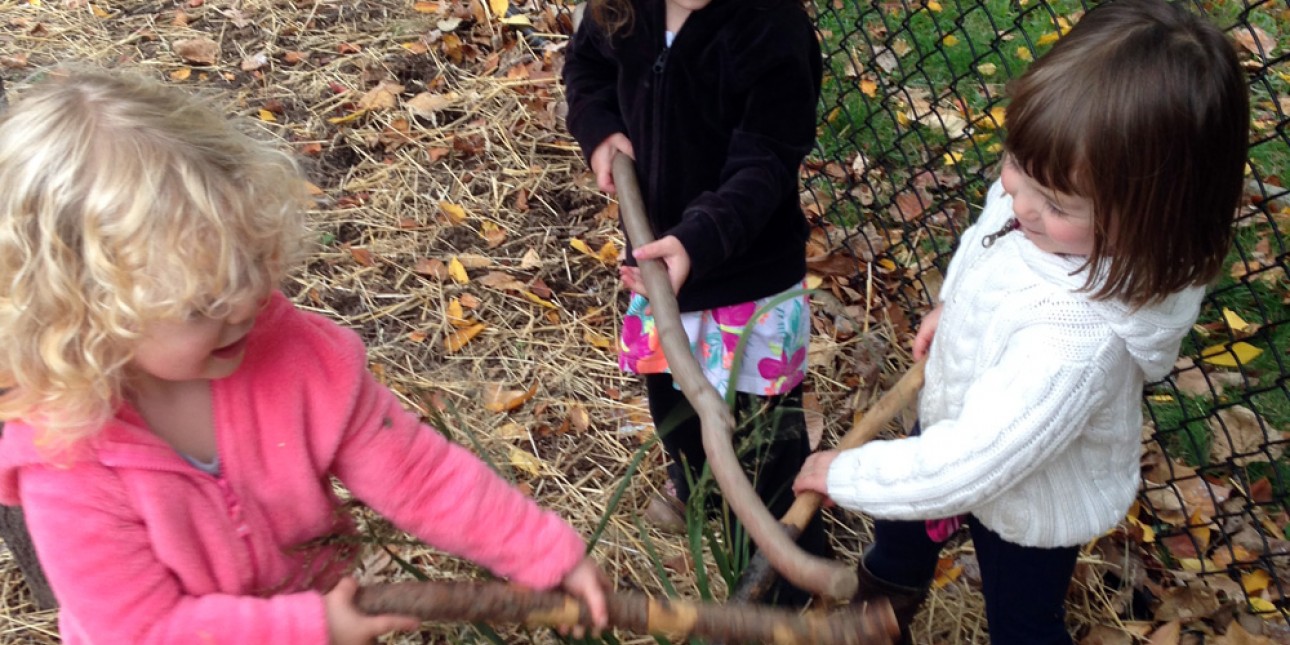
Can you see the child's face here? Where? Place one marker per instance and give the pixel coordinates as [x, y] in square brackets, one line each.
[198, 347]
[1055, 222]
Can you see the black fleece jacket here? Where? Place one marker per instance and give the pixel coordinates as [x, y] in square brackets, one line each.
[719, 123]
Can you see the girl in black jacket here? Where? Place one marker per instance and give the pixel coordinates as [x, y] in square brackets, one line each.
[715, 100]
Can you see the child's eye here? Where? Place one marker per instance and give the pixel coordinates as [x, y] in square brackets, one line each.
[1055, 209]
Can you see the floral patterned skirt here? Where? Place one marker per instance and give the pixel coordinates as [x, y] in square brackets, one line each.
[774, 360]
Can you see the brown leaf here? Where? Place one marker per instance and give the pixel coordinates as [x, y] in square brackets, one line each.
[254, 62]
[579, 418]
[197, 51]
[501, 280]
[431, 267]
[1254, 40]
[1167, 634]
[1191, 380]
[361, 256]
[426, 104]
[382, 97]
[1237, 435]
[814, 419]
[494, 235]
[14, 61]
[908, 206]
[498, 399]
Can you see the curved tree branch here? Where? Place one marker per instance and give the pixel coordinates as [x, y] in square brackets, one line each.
[816, 574]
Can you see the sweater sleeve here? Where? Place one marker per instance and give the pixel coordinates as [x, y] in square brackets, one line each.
[776, 76]
[1019, 414]
[591, 89]
[440, 492]
[98, 557]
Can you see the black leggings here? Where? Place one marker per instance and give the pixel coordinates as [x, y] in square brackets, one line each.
[771, 466]
[1024, 587]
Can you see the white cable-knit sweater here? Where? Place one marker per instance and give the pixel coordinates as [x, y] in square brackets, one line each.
[1031, 411]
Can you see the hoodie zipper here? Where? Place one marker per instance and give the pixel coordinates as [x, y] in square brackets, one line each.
[656, 157]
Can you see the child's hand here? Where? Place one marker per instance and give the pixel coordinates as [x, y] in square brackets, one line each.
[814, 475]
[346, 625]
[602, 159]
[926, 331]
[674, 257]
[587, 583]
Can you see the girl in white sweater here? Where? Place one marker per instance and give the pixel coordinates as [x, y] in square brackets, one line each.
[1125, 153]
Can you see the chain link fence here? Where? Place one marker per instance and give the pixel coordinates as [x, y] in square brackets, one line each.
[910, 135]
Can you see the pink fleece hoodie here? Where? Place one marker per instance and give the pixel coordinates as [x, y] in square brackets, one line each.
[141, 547]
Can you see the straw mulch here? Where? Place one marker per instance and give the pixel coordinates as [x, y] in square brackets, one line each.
[459, 232]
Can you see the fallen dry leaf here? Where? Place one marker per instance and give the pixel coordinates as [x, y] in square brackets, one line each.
[458, 339]
[197, 51]
[499, 399]
[382, 97]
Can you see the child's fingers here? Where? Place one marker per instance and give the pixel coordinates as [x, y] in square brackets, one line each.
[387, 623]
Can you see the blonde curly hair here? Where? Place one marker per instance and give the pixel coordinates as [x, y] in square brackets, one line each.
[124, 201]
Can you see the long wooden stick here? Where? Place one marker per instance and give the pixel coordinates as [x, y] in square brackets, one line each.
[758, 576]
[819, 575]
[500, 603]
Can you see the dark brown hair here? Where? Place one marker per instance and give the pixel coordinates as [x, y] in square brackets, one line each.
[1143, 109]
[613, 16]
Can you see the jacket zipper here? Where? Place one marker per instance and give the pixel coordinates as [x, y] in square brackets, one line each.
[1009, 226]
[656, 163]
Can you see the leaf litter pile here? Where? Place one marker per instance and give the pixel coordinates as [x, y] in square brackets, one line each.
[460, 233]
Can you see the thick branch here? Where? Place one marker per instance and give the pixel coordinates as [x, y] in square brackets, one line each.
[499, 603]
[758, 576]
[819, 575]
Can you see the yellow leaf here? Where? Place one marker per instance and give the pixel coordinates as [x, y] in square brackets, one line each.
[348, 118]
[456, 214]
[1048, 38]
[457, 271]
[458, 339]
[1238, 354]
[1161, 398]
[833, 114]
[814, 280]
[456, 315]
[98, 11]
[934, 6]
[902, 118]
[953, 157]
[987, 69]
[499, 7]
[991, 120]
[1255, 581]
[946, 577]
[181, 74]
[525, 461]
[425, 7]
[1196, 565]
[1235, 321]
[417, 336]
[608, 253]
[581, 246]
[35, 3]
[518, 20]
[869, 87]
[597, 340]
[1262, 606]
[950, 40]
[536, 300]
[887, 264]
[994, 148]
[266, 115]
[497, 399]
[1024, 54]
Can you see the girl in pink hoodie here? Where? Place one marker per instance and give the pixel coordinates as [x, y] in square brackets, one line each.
[174, 422]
